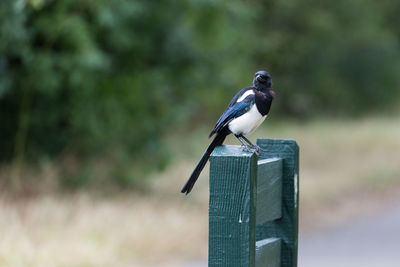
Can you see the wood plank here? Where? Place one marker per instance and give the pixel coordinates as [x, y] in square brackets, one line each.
[232, 207]
[286, 227]
[268, 252]
[269, 190]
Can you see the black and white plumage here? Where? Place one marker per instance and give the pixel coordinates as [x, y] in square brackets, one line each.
[246, 111]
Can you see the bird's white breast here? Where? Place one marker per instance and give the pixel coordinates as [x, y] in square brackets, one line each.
[247, 123]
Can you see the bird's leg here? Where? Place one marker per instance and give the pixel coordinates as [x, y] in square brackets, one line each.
[248, 147]
[257, 148]
[247, 140]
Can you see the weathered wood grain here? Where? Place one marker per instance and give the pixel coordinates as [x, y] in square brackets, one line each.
[253, 201]
[232, 207]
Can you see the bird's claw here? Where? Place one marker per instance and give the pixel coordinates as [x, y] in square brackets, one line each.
[255, 149]
[246, 148]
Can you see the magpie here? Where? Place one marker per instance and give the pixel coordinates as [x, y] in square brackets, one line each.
[246, 111]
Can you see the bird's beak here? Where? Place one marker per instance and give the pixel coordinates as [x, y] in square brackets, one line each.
[258, 78]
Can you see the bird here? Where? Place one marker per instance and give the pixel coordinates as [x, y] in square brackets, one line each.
[246, 111]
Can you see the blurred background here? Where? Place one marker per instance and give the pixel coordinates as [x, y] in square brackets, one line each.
[105, 108]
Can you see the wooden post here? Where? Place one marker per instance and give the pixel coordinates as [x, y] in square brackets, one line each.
[232, 207]
[253, 217]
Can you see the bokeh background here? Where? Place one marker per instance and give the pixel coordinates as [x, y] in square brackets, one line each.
[105, 107]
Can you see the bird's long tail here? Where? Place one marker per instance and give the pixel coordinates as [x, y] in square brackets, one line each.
[217, 141]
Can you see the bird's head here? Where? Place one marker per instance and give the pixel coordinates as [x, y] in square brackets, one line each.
[263, 82]
[262, 79]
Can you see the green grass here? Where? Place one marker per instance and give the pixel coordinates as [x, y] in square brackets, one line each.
[346, 167]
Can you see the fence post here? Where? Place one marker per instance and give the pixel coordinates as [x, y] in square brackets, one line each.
[253, 205]
[232, 207]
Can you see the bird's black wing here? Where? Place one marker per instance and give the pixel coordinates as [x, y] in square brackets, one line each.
[233, 111]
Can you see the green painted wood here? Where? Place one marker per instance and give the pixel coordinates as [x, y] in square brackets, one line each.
[269, 190]
[232, 207]
[254, 200]
[268, 252]
[285, 228]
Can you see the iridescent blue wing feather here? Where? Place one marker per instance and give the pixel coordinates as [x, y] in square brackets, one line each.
[233, 111]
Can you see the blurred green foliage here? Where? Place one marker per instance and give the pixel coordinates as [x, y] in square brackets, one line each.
[108, 78]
